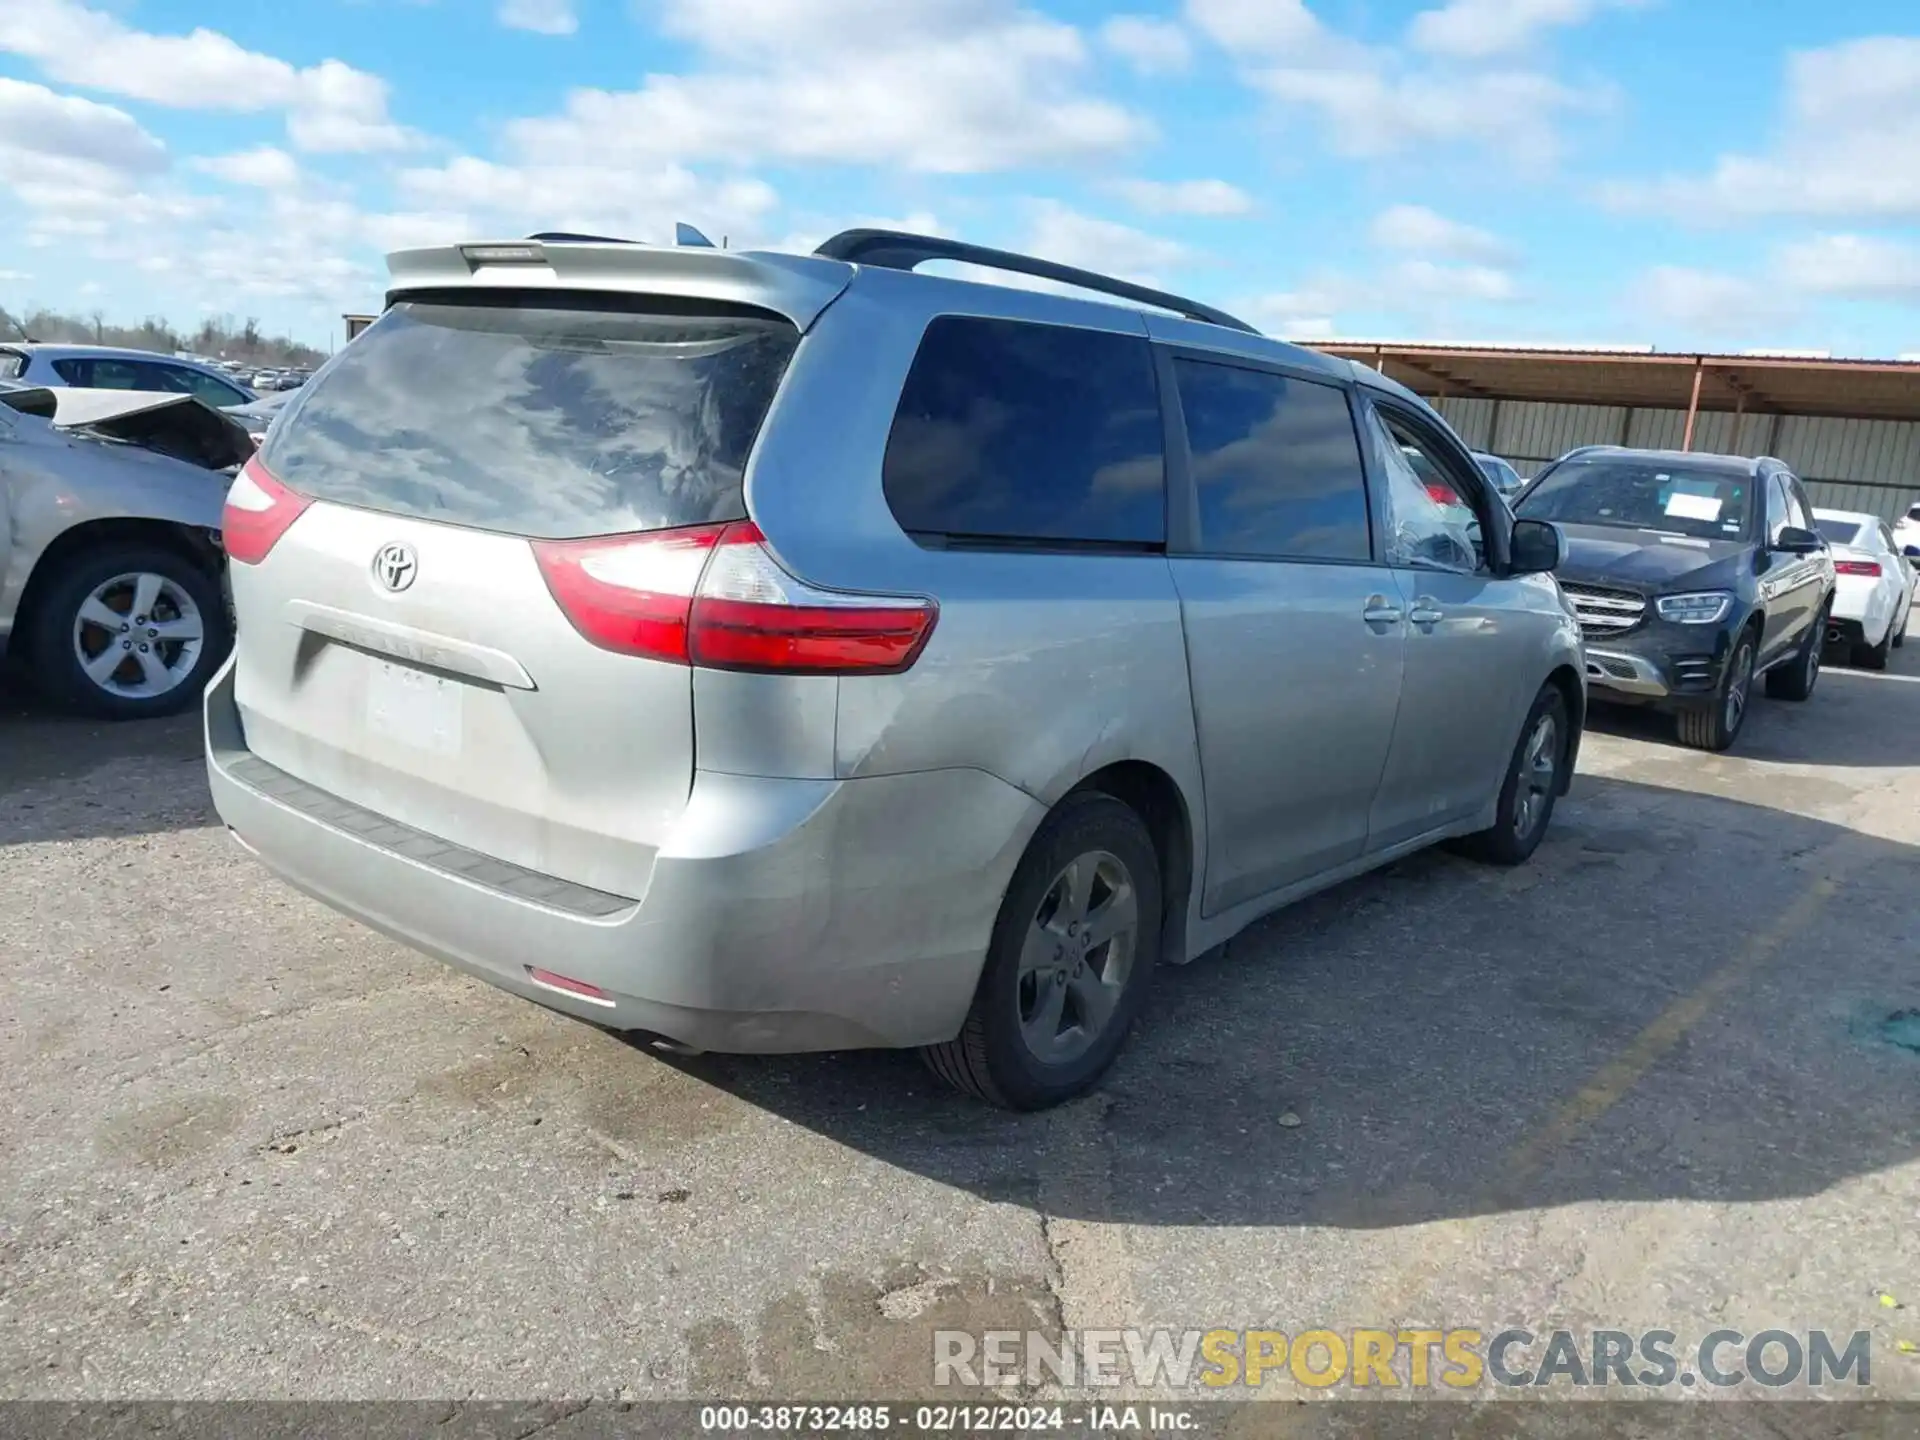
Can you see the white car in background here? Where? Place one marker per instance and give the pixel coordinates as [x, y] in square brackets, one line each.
[1874, 596]
[1906, 534]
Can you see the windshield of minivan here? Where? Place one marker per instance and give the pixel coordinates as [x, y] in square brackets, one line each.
[1653, 495]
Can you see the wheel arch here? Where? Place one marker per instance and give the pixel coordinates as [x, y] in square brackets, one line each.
[1155, 796]
[187, 541]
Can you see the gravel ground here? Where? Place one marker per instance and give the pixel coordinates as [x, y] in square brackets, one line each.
[1650, 1081]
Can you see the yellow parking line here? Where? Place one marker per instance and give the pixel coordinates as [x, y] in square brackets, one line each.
[1619, 1075]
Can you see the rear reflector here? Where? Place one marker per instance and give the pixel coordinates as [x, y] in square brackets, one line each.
[1868, 568]
[713, 596]
[258, 511]
[579, 989]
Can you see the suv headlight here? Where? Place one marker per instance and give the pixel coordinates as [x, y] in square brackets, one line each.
[1704, 607]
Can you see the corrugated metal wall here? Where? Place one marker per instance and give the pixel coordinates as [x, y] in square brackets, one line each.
[1870, 465]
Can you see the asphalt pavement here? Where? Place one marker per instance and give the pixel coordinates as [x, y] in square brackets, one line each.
[1663, 1077]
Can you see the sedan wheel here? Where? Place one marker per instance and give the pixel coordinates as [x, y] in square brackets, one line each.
[138, 636]
[127, 631]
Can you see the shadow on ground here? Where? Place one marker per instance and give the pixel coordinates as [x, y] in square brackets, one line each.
[1406, 1047]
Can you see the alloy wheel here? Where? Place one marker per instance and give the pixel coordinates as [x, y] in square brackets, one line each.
[1079, 950]
[138, 635]
[1539, 767]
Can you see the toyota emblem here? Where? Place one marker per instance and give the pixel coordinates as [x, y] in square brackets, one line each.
[396, 566]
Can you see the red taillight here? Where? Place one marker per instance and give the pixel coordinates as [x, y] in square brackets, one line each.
[712, 595]
[1869, 568]
[258, 511]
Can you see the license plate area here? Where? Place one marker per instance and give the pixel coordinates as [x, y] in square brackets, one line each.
[415, 708]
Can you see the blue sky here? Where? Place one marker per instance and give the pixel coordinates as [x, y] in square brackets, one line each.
[1682, 173]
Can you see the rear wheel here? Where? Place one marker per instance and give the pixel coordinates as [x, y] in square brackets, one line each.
[1717, 725]
[1875, 657]
[1532, 785]
[126, 632]
[1795, 679]
[1072, 955]
[1900, 624]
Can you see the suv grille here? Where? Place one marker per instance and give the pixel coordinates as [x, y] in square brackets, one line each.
[1605, 612]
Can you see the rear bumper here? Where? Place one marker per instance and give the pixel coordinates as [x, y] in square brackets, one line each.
[782, 915]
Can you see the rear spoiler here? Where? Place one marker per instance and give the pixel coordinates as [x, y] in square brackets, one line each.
[182, 427]
[798, 287]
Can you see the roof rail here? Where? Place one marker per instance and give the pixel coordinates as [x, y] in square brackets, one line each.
[563, 238]
[898, 250]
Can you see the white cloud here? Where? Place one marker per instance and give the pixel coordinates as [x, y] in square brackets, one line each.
[1184, 197]
[329, 106]
[1377, 100]
[543, 17]
[1258, 28]
[1476, 29]
[1374, 111]
[1707, 303]
[14, 277]
[40, 127]
[1412, 295]
[1070, 238]
[1418, 230]
[1153, 47]
[1846, 146]
[1854, 267]
[265, 166]
[939, 86]
[638, 202]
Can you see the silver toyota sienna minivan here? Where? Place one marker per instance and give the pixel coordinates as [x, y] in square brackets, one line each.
[767, 652]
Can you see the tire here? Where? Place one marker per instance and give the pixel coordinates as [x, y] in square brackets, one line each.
[1718, 725]
[187, 602]
[1900, 629]
[1796, 679]
[994, 1056]
[1527, 795]
[1875, 657]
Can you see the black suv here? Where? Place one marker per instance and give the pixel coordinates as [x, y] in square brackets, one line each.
[1691, 575]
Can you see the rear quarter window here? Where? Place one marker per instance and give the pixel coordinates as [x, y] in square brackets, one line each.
[12, 364]
[1013, 432]
[552, 418]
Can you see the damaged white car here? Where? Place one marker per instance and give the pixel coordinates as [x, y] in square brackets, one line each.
[112, 579]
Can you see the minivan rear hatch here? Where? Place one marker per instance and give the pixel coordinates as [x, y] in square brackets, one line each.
[407, 542]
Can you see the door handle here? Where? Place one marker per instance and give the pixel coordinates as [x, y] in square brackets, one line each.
[1426, 611]
[1380, 611]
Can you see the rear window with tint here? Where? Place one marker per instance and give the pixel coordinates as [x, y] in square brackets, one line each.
[1840, 532]
[550, 419]
[1013, 432]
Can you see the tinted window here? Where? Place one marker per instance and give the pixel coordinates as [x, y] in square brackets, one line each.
[1777, 514]
[545, 420]
[195, 383]
[1016, 431]
[1276, 465]
[1841, 532]
[12, 364]
[1645, 494]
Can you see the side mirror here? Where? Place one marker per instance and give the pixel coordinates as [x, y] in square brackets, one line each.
[1792, 540]
[1534, 547]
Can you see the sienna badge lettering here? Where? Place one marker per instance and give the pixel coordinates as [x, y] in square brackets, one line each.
[395, 566]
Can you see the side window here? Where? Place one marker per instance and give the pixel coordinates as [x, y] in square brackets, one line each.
[1798, 506]
[75, 372]
[203, 387]
[118, 375]
[12, 364]
[1276, 465]
[1778, 514]
[1009, 430]
[1432, 520]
